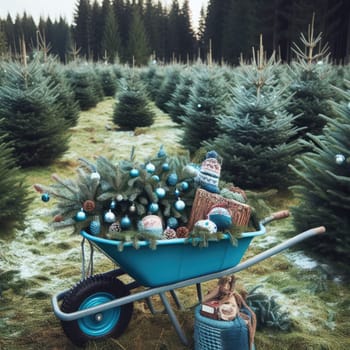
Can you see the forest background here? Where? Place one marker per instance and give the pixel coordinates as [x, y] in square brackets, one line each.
[130, 31]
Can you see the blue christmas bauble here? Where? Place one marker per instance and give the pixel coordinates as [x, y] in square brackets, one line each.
[153, 208]
[155, 178]
[134, 172]
[113, 204]
[160, 192]
[221, 217]
[172, 179]
[165, 167]
[150, 168]
[179, 205]
[184, 186]
[161, 152]
[172, 222]
[45, 197]
[125, 222]
[177, 193]
[109, 217]
[81, 215]
[95, 226]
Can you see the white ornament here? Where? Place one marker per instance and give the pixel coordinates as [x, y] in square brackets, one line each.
[95, 176]
[339, 159]
[150, 168]
[109, 217]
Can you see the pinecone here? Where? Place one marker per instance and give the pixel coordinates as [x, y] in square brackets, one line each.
[182, 232]
[115, 227]
[169, 233]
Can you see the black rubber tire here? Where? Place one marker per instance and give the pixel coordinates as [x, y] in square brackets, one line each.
[85, 290]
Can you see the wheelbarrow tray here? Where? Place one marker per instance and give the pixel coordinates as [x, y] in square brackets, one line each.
[173, 260]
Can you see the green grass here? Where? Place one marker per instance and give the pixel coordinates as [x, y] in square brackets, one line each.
[317, 302]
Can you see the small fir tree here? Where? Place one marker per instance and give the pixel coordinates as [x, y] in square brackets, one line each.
[14, 192]
[323, 184]
[255, 131]
[175, 106]
[168, 86]
[310, 77]
[68, 107]
[108, 79]
[85, 84]
[32, 121]
[153, 77]
[206, 101]
[132, 108]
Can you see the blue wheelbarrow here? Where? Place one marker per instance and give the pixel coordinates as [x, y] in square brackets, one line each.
[101, 305]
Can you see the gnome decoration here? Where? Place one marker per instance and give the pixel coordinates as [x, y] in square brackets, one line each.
[209, 174]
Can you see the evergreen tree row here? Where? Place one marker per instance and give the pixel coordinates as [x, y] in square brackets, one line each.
[233, 26]
[118, 29]
[131, 31]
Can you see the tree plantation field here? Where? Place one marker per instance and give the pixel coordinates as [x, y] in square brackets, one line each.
[37, 262]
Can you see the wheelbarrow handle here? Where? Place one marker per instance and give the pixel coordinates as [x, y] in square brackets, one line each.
[276, 216]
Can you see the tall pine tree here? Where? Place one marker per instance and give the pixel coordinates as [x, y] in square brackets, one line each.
[138, 47]
[111, 42]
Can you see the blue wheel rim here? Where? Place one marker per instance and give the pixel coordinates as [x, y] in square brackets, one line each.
[101, 323]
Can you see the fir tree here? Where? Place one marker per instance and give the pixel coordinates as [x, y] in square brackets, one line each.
[178, 99]
[310, 78]
[111, 42]
[132, 108]
[14, 193]
[81, 26]
[138, 48]
[206, 101]
[108, 79]
[28, 105]
[123, 188]
[153, 76]
[67, 106]
[255, 131]
[323, 184]
[85, 84]
[168, 86]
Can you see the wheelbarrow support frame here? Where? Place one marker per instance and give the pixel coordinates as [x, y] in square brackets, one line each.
[161, 291]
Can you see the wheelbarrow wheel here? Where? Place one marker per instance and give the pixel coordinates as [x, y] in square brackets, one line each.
[90, 292]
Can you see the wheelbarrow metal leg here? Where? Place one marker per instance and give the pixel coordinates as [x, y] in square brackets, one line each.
[176, 299]
[173, 318]
[199, 292]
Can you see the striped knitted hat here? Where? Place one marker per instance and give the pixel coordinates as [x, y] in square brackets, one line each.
[209, 174]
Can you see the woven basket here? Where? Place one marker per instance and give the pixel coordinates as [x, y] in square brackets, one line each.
[204, 201]
[210, 334]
